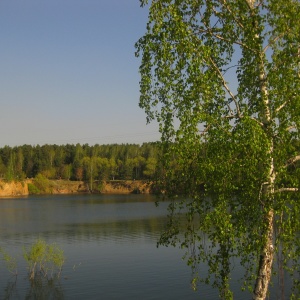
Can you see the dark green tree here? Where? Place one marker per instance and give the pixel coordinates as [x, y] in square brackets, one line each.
[2, 168]
[10, 171]
[66, 161]
[27, 151]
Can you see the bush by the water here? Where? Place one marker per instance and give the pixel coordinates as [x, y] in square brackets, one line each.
[40, 185]
[44, 260]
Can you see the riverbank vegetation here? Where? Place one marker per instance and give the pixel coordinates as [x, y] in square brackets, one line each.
[79, 162]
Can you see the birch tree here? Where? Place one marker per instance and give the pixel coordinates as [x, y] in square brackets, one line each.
[222, 79]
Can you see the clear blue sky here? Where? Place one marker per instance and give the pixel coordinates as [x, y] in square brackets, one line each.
[68, 73]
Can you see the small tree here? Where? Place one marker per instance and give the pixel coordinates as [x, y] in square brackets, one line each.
[91, 169]
[10, 262]
[41, 184]
[44, 260]
[222, 78]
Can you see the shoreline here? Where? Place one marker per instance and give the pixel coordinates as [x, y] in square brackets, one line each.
[57, 187]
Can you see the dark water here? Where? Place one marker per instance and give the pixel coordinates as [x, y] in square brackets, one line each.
[110, 248]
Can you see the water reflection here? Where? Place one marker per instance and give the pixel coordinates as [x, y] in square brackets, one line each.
[127, 230]
[10, 290]
[110, 248]
[41, 288]
[80, 218]
[109, 243]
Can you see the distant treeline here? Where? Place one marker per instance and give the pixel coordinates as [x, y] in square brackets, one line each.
[80, 162]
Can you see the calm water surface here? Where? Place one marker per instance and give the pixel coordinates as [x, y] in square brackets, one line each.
[109, 243]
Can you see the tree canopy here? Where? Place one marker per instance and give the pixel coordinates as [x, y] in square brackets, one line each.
[80, 162]
[222, 78]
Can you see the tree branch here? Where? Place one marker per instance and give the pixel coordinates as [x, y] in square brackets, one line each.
[227, 88]
[286, 190]
[258, 122]
[232, 116]
[292, 160]
[290, 127]
[273, 41]
[209, 30]
[203, 132]
[228, 8]
[281, 106]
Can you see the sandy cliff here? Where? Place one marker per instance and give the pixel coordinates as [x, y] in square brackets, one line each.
[12, 189]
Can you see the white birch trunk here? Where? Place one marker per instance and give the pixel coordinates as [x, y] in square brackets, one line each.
[265, 263]
[264, 271]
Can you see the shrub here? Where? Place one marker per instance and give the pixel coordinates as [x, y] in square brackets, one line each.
[10, 262]
[32, 189]
[41, 185]
[44, 260]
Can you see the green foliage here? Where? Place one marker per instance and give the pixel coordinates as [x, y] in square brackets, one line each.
[150, 167]
[222, 79]
[100, 186]
[76, 162]
[40, 185]
[10, 262]
[44, 260]
[9, 176]
[32, 189]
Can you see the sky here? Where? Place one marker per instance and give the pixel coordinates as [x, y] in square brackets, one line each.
[68, 73]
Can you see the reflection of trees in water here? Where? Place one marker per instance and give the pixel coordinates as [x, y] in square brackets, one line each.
[40, 288]
[131, 229]
[10, 291]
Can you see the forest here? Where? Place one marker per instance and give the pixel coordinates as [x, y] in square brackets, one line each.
[80, 162]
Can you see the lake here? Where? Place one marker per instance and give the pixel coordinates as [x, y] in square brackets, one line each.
[110, 246]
